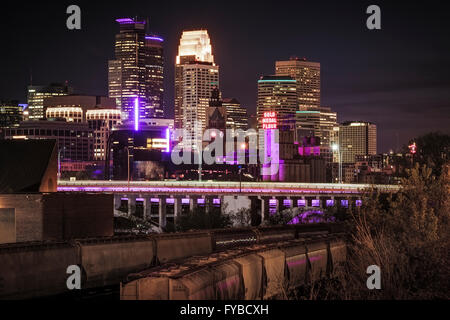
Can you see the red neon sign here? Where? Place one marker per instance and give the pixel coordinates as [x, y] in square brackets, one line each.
[412, 148]
[269, 121]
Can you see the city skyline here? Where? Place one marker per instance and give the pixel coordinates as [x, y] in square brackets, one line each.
[389, 87]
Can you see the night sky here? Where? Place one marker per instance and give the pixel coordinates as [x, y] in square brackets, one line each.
[397, 77]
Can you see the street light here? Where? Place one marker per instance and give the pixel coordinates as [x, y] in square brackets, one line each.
[335, 147]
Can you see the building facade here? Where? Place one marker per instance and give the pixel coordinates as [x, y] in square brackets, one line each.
[307, 74]
[155, 77]
[236, 115]
[357, 138]
[196, 75]
[37, 94]
[70, 114]
[277, 95]
[75, 140]
[139, 155]
[11, 113]
[102, 121]
[318, 122]
[137, 71]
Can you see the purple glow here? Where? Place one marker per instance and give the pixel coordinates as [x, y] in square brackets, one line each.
[140, 199]
[287, 202]
[315, 203]
[296, 262]
[301, 203]
[273, 202]
[209, 190]
[124, 199]
[124, 20]
[313, 216]
[128, 21]
[344, 203]
[308, 151]
[136, 114]
[185, 201]
[230, 282]
[168, 139]
[330, 203]
[122, 188]
[316, 258]
[201, 201]
[154, 38]
[358, 203]
[216, 201]
[154, 200]
[170, 200]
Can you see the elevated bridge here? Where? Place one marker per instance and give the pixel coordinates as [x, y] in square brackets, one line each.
[160, 201]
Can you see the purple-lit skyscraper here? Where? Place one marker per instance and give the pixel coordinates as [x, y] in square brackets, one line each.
[137, 71]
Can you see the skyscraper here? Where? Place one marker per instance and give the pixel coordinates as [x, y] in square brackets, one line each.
[277, 95]
[357, 138]
[137, 71]
[236, 115]
[155, 76]
[11, 113]
[307, 75]
[196, 75]
[36, 95]
[318, 122]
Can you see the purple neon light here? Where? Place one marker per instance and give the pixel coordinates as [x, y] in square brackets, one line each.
[128, 21]
[272, 202]
[287, 202]
[358, 203]
[124, 20]
[185, 201]
[154, 200]
[201, 201]
[170, 200]
[136, 114]
[168, 139]
[330, 203]
[216, 201]
[140, 199]
[344, 203]
[154, 38]
[124, 199]
[301, 203]
[197, 190]
[315, 203]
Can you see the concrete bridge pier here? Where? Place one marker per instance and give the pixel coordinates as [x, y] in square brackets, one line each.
[162, 211]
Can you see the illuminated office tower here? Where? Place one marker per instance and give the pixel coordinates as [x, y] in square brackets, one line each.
[318, 122]
[136, 71]
[102, 121]
[236, 115]
[196, 75]
[36, 95]
[357, 138]
[154, 77]
[11, 113]
[278, 95]
[307, 75]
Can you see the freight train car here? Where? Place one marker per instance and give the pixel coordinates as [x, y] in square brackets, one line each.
[39, 269]
[105, 261]
[29, 270]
